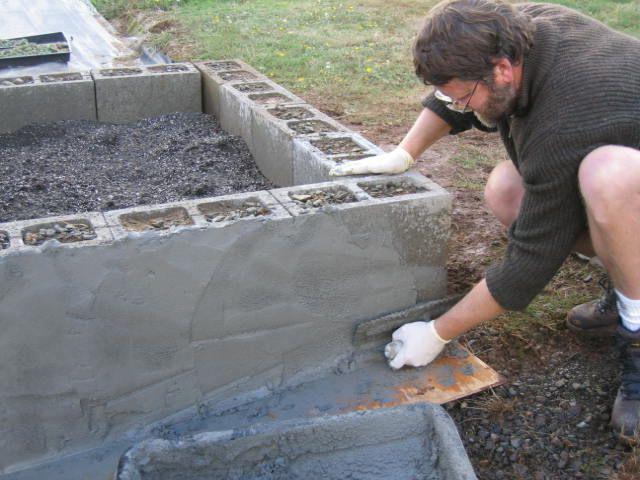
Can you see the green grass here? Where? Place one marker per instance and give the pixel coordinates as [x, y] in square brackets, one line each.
[353, 55]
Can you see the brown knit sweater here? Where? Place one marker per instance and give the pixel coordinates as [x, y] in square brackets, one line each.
[581, 90]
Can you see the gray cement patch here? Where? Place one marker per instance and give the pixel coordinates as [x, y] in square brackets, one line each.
[406, 442]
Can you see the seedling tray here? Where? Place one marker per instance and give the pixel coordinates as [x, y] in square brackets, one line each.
[8, 59]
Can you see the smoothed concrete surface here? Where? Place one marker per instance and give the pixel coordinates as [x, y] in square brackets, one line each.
[100, 341]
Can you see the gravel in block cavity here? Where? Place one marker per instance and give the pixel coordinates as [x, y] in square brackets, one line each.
[320, 198]
[253, 87]
[237, 75]
[118, 72]
[337, 146]
[10, 82]
[350, 158]
[229, 210]
[168, 68]
[60, 77]
[308, 127]
[78, 166]
[156, 220]
[219, 66]
[266, 98]
[4, 240]
[290, 113]
[65, 232]
[391, 189]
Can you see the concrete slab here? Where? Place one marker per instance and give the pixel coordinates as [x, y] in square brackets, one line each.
[46, 98]
[127, 94]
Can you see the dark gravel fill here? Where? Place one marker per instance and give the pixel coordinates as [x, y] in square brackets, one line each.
[76, 166]
[551, 421]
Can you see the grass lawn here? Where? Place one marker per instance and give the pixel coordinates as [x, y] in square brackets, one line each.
[354, 55]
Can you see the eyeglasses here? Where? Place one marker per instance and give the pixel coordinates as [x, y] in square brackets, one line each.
[455, 105]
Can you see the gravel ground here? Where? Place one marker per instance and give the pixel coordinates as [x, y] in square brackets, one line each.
[72, 166]
[551, 420]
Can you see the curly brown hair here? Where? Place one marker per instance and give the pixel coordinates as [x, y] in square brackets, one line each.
[461, 38]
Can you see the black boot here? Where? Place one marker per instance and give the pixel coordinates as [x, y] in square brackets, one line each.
[625, 416]
[598, 317]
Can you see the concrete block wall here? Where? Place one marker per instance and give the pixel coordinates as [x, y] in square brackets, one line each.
[127, 94]
[279, 127]
[46, 98]
[104, 336]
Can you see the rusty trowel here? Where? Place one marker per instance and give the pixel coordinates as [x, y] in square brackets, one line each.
[456, 373]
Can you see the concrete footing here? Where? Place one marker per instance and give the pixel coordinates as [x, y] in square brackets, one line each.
[407, 442]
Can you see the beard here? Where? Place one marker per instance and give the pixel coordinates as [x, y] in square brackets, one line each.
[500, 102]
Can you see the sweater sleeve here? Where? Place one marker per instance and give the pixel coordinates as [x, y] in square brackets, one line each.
[459, 122]
[550, 220]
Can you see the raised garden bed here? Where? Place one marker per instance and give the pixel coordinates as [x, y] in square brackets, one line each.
[253, 87]
[116, 72]
[61, 77]
[237, 75]
[267, 98]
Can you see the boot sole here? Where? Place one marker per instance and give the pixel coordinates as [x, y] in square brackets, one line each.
[603, 331]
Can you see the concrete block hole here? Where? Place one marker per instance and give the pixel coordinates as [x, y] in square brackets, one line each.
[16, 81]
[349, 158]
[163, 219]
[60, 77]
[321, 197]
[4, 240]
[237, 75]
[309, 127]
[77, 230]
[228, 210]
[391, 188]
[337, 146]
[253, 87]
[168, 68]
[224, 65]
[267, 98]
[291, 113]
[118, 72]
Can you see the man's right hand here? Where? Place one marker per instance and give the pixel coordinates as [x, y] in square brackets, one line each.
[397, 161]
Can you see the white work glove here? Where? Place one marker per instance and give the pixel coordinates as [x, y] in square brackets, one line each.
[397, 161]
[415, 344]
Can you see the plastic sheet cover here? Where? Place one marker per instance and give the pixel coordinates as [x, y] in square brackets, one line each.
[93, 41]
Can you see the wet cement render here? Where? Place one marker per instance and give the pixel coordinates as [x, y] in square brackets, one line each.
[76, 166]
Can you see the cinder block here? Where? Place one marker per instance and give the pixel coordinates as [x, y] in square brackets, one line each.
[237, 101]
[313, 157]
[46, 98]
[19, 232]
[418, 224]
[272, 138]
[216, 73]
[127, 94]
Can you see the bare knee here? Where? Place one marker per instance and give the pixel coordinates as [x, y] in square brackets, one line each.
[609, 179]
[503, 192]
